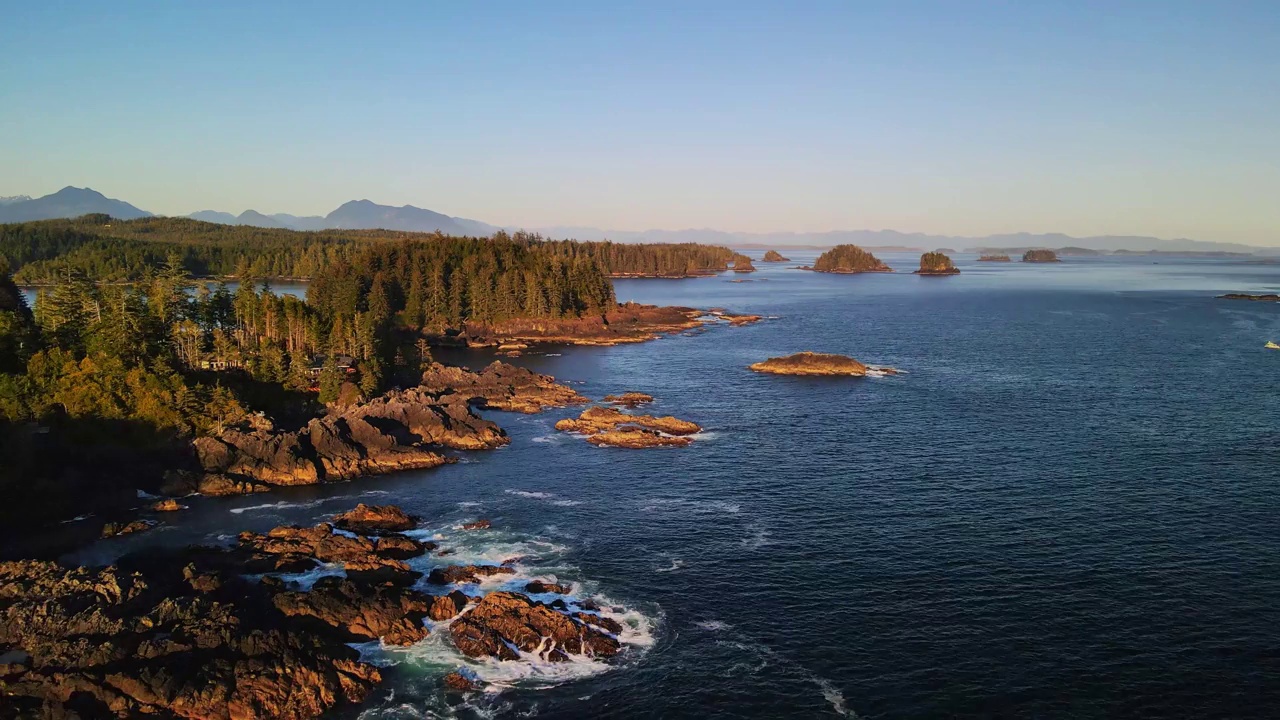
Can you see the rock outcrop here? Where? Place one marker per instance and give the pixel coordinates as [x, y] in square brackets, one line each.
[447, 607]
[609, 426]
[291, 548]
[126, 528]
[936, 263]
[114, 643]
[394, 432]
[454, 574]
[811, 363]
[369, 519]
[742, 264]
[775, 256]
[630, 399]
[1270, 297]
[501, 386]
[503, 624]
[360, 612]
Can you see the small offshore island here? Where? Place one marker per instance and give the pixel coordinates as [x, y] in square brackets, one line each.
[936, 263]
[773, 256]
[847, 260]
[994, 258]
[1040, 256]
[812, 363]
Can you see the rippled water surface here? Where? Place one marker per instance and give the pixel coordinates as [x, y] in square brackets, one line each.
[1066, 508]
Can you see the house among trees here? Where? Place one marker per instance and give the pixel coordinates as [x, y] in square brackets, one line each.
[346, 364]
[221, 364]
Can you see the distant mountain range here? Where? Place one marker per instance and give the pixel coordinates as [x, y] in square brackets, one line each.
[367, 215]
[67, 202]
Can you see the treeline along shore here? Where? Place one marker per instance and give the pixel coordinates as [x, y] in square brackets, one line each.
[125, 360]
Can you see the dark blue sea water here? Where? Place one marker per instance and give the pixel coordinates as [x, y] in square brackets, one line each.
[1067, 507]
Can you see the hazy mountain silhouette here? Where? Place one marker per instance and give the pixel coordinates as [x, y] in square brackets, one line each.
[14, 199]
[367, 215]
[68, 202]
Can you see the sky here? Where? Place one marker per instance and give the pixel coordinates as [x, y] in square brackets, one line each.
[946, 117]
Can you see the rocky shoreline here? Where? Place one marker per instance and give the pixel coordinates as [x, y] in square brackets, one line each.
[606, 426]
[1269, 297]
[209, 632]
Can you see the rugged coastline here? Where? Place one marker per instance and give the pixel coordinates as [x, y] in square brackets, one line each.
[228, 632]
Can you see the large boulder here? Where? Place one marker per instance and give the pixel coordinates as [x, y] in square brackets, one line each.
[501, 386]
[394, 614]
[375, 518]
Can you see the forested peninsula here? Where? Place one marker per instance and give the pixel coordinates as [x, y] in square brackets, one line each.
[137, 347]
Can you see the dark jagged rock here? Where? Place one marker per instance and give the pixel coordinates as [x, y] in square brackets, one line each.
[447, 607]
[126, 528]
[504, 622]
[391, 613]
[174, 650]
[936, 263]
[358, 555]
[481, 524]
[453, 574]
[387, 434]
[536, 587]
[459, 682]
[401, 547]
[501, 386]
[369, 519]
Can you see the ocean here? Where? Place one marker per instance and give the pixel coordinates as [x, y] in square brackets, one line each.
[1065, 507]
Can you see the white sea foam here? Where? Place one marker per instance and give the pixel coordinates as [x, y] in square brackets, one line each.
[78, 518]
[276, 506]
[713, 625]
[758, 537]
[469, 504]
[566, 503]
[676, 564]
[531, 494]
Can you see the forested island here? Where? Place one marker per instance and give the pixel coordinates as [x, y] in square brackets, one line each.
[994, 258]
[742, 264]
[773, 256]
[936, 263]
[1040, 256]
[848, 259]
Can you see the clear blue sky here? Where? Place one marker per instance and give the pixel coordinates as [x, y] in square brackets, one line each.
[1158, 118]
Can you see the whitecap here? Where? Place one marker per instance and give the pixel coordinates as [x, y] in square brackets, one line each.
[713, 625]
[685, 504]
[550, 439]
[758, 538]
[530, 494]
[78, 518]
[469, 504]
[566, 503]
[676, 564]
[276, 506]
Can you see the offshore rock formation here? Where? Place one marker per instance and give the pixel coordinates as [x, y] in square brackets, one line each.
[503, 623]
[936, 263]
[500, 386]
[1040, 256]
[848, 260]
[375, 518]
[994, 258]
[775, 256]
[614, 428]
[742, 264]
[811, 363]
[629, 399]
[1270, 297]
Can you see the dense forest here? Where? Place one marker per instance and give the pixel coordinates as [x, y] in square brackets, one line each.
[848, 259]
[936, 263]
[1040, 256]
[106, 250]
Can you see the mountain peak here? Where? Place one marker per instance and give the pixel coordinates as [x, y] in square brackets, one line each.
[69, 202]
